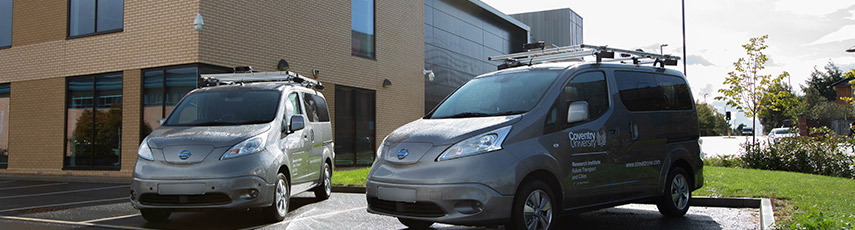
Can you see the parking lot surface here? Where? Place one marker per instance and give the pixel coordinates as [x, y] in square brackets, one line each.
[65, 205]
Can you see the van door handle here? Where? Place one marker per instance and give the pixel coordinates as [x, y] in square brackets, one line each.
[633, 130]
[613, 132]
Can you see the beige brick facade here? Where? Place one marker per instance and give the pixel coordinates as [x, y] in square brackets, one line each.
[309, 34]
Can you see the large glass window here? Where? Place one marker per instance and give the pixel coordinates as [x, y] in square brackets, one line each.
[5, 23]
[4, 125]
[228, 107]
[355, 126]
[94, 125]
[677, 95]
[163, 88]
[94, 17]
[639, 91]
[362, 28]
[589, 87]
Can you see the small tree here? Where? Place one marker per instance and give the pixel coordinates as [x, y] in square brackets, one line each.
[746, 87]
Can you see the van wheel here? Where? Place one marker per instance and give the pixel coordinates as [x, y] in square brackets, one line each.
[675, 201]
[533, 207]
[281, 199]
[415, 224]
[155, 215]
[323, 191]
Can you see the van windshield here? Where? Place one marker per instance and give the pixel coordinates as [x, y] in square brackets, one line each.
[232, 107]
[497, 95]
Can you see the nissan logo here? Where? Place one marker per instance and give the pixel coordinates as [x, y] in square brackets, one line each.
[184, 155]
[403, 153]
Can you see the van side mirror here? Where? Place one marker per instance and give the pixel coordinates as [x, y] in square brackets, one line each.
[297, 123]
[161, 121]
[577, 111]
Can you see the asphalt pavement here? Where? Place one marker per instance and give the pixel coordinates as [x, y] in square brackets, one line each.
[65, 205]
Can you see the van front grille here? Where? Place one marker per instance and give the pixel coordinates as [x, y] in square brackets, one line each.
[417, 209]
[178, 200]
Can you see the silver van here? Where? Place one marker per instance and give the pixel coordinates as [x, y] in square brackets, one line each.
[239, 145]
[523, 145]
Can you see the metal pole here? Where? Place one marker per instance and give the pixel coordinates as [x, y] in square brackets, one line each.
[684, 37]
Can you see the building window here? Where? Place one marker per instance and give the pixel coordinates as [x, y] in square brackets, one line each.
[94, 125]
[362, 28]
[355, 126]
[5, 23]
[4, 125]
[164, 87]
[91, 17]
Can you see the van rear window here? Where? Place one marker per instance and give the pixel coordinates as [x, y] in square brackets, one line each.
[651, 92]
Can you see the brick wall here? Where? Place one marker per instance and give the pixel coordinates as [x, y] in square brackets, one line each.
[36, 126]
[37, 21]
[317, 34]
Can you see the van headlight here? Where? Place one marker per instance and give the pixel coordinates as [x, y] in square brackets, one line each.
[483, 143]
[249, 146]
[144, 151]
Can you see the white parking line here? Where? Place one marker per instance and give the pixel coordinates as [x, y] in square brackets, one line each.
[67, 222]
[309, 217]
[33, 186]
[110, 218]
[65, 204]
[54, 193]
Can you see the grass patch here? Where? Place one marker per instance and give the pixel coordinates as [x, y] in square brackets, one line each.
[816, 200]
[350, 177]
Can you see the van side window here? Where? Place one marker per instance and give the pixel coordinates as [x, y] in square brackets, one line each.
[639, 91]
[321, 108]
[311, 110]
[590, 87]
[293, 106]
[676, 91]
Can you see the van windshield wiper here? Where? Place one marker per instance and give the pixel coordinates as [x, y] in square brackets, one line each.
[467, 114]
[514, 112]
[210, 123]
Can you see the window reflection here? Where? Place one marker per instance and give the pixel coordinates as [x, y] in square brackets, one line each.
[94, 112]
[93, 16]
[163, 88]
[4, 125]
[362, 28]
[355, 126]
[5, 23]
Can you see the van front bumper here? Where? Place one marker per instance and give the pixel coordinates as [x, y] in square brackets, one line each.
[235, 192]
[464, 204]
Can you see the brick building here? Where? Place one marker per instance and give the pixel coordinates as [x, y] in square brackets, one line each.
[83, 81]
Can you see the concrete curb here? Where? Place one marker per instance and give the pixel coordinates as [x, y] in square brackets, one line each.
[348, 189]
[78, 179]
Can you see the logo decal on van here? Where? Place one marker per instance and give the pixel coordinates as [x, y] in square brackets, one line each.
[403, 153]
[184, 155]
[587, 139]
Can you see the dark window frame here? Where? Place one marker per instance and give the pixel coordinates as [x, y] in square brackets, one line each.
[374, 29]
[353, 126]
[10, 28]
[163, 70]
[68, 35]
[6, 164]
[65, 127]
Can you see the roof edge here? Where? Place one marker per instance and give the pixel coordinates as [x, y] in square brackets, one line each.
[498, 13]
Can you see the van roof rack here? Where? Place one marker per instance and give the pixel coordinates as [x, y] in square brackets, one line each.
[255, 77]
[538, 53]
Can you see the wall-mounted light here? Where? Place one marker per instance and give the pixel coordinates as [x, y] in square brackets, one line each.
[198, 22]
[386, 83]
[429, 74]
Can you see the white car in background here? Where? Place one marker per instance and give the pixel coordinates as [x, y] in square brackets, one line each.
[778, 133]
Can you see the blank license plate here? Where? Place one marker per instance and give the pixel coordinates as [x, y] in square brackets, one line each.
[396, 194]
[181, 189]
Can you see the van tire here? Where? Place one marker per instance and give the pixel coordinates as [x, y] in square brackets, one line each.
[281, 199]
[532, 194]
[155, 215]
[415, 224]
[674, 201]
[324, 189]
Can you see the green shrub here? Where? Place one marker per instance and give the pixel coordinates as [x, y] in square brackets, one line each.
[822, 153]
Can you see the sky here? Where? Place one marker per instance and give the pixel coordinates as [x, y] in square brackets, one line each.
[803, 35]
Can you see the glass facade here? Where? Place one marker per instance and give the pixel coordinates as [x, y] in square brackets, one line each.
[94, 125]
[164, 87]
[94, 16]
[5, 23]
[459, 36]
[362, 28]
[4, 125]
[355, 126]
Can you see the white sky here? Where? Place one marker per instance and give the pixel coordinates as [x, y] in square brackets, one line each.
[802, 34]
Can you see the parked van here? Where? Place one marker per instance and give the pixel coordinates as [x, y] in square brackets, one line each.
[239, 145]
[524, 145]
